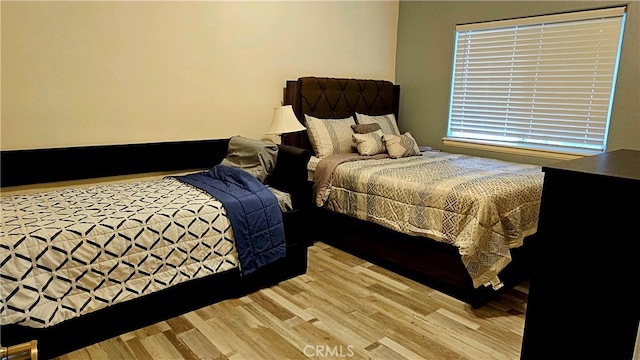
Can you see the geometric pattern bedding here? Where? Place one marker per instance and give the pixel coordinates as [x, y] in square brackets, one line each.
[484, 207]
[65, 253]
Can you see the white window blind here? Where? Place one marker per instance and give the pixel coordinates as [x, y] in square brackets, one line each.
[537, 82]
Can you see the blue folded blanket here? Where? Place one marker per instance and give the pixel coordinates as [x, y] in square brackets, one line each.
[252, 209]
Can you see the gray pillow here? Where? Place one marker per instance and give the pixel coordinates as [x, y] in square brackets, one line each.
[257, 157]
[365, 128]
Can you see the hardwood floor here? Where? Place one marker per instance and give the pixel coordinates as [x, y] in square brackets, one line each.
[343, 308]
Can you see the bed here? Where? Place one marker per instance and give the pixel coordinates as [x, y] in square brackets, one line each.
[458, 223]
[122, 255]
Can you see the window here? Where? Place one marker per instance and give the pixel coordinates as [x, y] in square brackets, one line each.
[541, 83]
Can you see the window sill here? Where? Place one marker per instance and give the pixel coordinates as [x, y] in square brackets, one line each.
[498, 147]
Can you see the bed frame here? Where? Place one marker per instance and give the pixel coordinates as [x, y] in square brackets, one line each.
[436, 264]
[60, 164]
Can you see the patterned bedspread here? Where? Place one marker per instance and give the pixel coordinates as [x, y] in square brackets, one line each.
[69, 252]
[482, 206]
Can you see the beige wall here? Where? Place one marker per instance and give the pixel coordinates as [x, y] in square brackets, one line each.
[425, 54]
[94, 73]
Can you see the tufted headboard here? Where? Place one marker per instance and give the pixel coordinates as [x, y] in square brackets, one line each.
[333, 98]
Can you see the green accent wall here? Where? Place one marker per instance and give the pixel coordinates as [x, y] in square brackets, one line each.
[425, 53]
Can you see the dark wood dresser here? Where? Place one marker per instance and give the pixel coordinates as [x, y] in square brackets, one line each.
[583, 297]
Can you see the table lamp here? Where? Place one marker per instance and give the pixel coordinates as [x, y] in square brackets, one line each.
[284, 122]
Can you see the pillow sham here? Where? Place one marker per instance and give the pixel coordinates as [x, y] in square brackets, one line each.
[401, 146]
[387, 122]
[370, 143]
[365, 128]
[330, 136]
[257, 157]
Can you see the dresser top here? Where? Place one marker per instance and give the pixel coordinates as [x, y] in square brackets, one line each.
[621, 163]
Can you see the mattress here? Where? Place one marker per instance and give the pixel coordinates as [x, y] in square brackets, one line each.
[69, 252]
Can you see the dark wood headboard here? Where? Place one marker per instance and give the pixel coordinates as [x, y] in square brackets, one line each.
[334, 98]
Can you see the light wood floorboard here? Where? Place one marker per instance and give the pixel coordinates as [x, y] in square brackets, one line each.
[342, 308]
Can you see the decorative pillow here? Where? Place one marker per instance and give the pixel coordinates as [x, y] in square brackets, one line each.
[387, 123]
[257, 157]
[330, 136]
[370, 143]
[365, 128]
[401, 146]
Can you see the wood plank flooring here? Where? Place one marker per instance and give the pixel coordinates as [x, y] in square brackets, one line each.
[343, 308]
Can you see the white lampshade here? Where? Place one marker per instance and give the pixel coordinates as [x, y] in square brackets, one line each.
[284, 121]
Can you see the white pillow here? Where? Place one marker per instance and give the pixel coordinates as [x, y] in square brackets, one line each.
[387, 122]
[401, 146]
[370, 143]
[330, 136]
